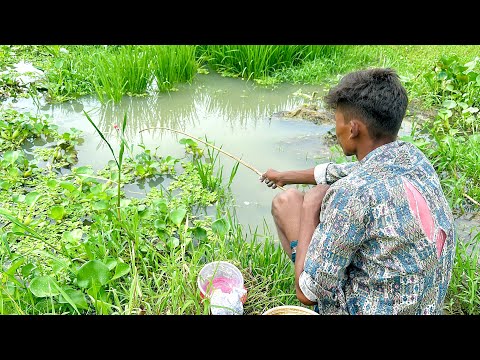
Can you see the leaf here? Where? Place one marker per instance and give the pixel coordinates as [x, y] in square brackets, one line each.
[44, 286]
[449, 104]
[68, 299]
[5, 242]
[11, 156]
[58, 266]
[442, 75]
[27, 269]
[15, 265]
[120, 270]
[187, 142]
[124, 124]
[159, 246]
[93, 273]
[173, 242]
[160, 224]
[122, 143]
[103, 137]
[177, 215]
[18, 198]
[125, 202]
[5, 185]
[220, 227]
[21, 225]
[143, 211]
[111, 263]
[68, 186]
[52, 183]
[57, 212]
[161, 206]
[200, 233]
[14, 172]
[58, 63]
[32, 197]
[74, 235]
[84, 170]
[100, 205]
[77, 298]
[185, 305]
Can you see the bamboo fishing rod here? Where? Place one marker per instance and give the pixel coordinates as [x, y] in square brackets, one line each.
[213, 146]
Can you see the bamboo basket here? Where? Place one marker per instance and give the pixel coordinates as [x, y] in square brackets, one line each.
[289, 310]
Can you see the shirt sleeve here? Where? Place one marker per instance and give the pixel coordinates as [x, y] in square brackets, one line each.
[338, 235]
[328, 173]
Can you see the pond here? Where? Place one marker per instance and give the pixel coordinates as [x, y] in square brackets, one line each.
[240, 117]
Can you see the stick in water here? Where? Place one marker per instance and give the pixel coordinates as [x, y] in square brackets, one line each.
[213, 146]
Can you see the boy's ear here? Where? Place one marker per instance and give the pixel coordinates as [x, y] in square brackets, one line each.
[354, 128]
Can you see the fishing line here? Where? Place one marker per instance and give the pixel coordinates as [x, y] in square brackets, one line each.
[213, 146]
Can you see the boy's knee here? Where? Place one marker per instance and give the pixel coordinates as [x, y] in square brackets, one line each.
[284, 200]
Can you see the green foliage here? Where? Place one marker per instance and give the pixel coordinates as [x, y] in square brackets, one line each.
[457, 85]
[129, 257]
[68, 73]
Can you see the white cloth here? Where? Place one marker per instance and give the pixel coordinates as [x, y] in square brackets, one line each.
[320, 173]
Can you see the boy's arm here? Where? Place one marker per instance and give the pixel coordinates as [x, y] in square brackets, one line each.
[274, 178]
[326, 173]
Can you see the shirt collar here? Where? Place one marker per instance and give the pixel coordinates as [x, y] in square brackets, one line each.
[382, 149]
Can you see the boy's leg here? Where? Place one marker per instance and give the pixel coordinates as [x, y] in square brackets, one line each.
[286, 212]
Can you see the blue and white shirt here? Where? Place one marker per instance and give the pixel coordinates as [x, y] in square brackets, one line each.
[385, 243]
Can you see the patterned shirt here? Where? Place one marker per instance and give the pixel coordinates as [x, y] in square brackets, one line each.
[385, 243]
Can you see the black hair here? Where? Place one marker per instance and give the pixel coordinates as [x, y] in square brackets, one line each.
[375, 96]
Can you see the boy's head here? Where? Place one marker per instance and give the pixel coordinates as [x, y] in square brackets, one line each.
[376, 97]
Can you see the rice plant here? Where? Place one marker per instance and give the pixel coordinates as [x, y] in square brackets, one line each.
[172, 64]
[122, 72]
[259, 61]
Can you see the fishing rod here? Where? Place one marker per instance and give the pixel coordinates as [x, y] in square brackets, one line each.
[213, 146]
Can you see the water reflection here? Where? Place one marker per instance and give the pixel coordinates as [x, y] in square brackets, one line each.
[233, 114]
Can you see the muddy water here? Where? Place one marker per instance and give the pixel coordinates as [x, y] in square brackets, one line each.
[235, 115]
[232, 114]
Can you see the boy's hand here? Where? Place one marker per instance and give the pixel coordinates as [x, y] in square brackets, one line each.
[272, 178]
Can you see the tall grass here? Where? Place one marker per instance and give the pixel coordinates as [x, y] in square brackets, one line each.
[131, 70]
[464, 291]
[260, 61]
[125, 71]
[173, 64]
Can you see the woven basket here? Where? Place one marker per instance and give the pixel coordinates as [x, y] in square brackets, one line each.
[289, 310]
